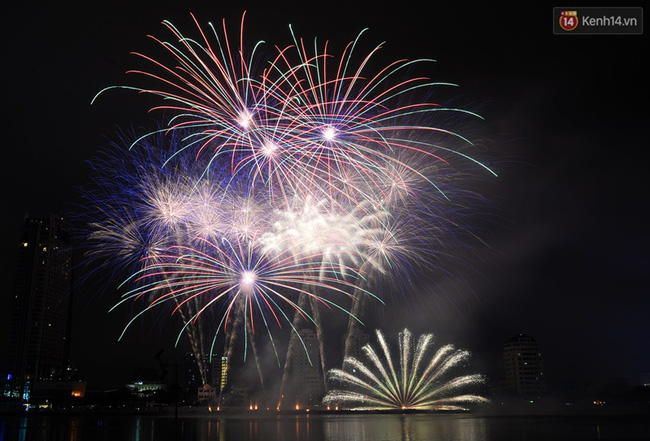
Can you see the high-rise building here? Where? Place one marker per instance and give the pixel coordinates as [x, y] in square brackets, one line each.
[38, 345]
[223, 382]
[306, 375]
[191, 376]
[522, 362]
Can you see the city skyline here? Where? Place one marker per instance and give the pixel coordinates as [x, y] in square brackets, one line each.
[564, 258]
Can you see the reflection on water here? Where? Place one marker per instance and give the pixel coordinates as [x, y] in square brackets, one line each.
[405, 428]
[22, 434]
[348, 427]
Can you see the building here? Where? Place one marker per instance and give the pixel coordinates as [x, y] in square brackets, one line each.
[522, 363]
[145, 388]
[306, 377]
[206, 393]
[195, 371]
[38, 338]
[201, 378]
[223, 381]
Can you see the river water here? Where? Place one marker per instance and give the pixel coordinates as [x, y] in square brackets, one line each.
[322, 427]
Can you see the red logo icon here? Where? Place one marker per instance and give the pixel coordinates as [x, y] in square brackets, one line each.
[569, 20]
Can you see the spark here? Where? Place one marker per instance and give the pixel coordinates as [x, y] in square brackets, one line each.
[408, 382]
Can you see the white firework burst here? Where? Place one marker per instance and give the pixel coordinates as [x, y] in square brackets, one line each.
[418, 380]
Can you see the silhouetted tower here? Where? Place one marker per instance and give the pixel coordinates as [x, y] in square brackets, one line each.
[39, 327]
[191, 376]
[306, 377]
[522, 363]
[357, 342]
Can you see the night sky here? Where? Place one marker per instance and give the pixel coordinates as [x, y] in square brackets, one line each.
[565, 224]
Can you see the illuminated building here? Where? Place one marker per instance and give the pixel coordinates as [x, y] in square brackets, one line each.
[145, 389]
[522, 362]
[39, 326]
[206, 393]
[78, 389]
[224, 374]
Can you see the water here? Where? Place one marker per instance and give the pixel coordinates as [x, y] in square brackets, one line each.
[321, 428]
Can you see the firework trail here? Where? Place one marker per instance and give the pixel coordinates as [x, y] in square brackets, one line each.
[294, 338]
[239, 315]
[419, 232]
[336, 238]
[417, 379]
[232, 274]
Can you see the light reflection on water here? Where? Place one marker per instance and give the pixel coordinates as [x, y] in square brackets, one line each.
[319, 428]
[405, 428]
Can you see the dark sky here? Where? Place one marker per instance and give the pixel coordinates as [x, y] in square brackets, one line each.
[565, 128]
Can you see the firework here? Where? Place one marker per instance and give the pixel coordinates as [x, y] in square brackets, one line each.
[279, 184]
[300, 119]
[118, 234]
[418, 379]
[229, 276]
[141, 205]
